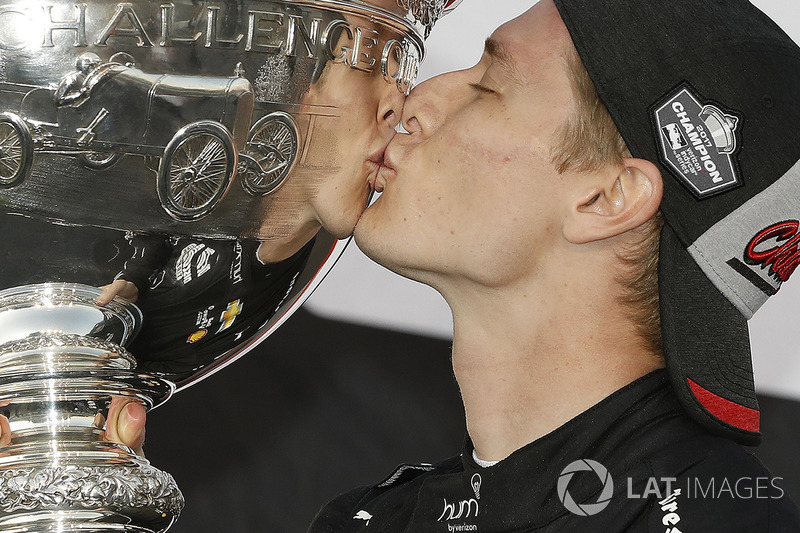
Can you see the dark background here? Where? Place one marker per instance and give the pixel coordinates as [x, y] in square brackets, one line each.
[322, 407]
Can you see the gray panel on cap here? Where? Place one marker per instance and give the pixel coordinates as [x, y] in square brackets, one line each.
[749, 253]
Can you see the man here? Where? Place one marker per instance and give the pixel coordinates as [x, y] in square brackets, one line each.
[611, 190]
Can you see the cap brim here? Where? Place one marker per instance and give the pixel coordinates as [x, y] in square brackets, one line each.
[706, 346]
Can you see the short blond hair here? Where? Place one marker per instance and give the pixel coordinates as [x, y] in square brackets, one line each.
[587, 141]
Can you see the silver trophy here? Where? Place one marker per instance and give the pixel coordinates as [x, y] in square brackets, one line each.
[198, 158]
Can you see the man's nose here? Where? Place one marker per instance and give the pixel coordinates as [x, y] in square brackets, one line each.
[426, 106]
[390, 109]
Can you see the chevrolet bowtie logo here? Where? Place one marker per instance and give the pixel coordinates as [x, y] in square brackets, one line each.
[229, 315]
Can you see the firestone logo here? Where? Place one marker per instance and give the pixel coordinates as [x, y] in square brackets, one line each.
[585, 509]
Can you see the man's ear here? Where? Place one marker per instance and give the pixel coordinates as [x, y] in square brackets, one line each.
[611, 203]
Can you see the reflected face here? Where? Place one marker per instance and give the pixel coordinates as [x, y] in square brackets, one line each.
[471, 191]
[349, 149]
[371, 107]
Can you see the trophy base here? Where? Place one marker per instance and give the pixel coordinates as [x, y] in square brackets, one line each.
[62, 369]
[106, 490]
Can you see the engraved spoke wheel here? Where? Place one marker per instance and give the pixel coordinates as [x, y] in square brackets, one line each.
[99, 160]
[16, 150]
[270, 153]
[196, 170]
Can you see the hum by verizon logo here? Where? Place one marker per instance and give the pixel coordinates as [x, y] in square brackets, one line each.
[464, 508]
[459, 510]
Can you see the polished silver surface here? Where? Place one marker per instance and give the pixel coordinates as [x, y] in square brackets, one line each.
[195, 161]
[61, 372]
[112, 95]
[427, 12]
[163, 143]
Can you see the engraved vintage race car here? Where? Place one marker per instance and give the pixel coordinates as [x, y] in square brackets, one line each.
[194, 131]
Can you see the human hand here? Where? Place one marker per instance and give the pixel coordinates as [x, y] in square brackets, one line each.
[125, 423]
[5, 428]
[120, 287]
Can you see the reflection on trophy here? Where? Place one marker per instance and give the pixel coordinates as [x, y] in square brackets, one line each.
[198, 158]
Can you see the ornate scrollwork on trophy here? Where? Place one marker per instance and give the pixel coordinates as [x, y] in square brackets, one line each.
[54, 342]
[427, 12]
[31, 489]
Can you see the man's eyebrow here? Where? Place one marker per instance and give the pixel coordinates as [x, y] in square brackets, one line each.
[499, 53]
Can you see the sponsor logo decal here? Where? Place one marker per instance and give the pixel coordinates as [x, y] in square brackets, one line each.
[463, 509]
[698, 141]
[229, 315]
[236, 265]
[204, 318]
[458, 510]
[774, 252]
[776, 248]
[197, 336]
[363, 515]
[476, 485]
[157, 279]
[194, 261]
[669, 506]
[288, 291]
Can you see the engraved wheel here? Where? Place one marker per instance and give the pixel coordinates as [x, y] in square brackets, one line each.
[99, 160]
[16, 150]
[196, 170]
[270, 153]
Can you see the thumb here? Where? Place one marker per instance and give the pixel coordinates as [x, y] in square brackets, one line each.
[131, 426]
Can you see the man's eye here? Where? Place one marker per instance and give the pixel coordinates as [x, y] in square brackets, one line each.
[481, 89]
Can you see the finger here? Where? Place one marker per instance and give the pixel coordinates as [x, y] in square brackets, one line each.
[5, 432]
[130, 292]
[131, 425]
[109, 291]
[126, 423]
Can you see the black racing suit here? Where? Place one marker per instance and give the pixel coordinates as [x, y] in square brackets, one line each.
[203, 297]
[667, 475]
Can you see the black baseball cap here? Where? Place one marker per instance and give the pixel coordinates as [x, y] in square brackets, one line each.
[710, 92]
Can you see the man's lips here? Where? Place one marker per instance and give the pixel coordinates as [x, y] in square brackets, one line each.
[375, 163]
[380, 167]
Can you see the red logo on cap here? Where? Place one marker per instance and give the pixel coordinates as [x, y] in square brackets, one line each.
[783, 257]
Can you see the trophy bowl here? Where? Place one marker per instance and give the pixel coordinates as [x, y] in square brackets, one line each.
[175, 179]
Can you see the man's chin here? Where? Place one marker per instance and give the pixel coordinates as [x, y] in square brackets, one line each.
[365, 229]
[373, 237]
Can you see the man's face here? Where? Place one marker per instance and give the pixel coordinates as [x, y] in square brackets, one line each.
[350, 148]
[471, 191]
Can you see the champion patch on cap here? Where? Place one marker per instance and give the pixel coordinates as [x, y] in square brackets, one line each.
[698, 142]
